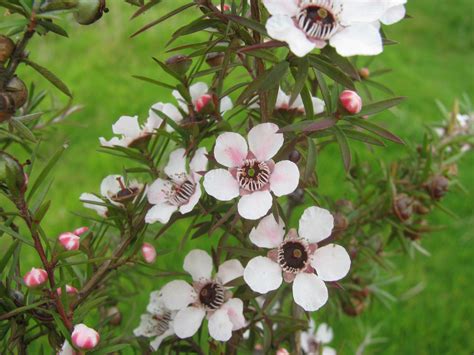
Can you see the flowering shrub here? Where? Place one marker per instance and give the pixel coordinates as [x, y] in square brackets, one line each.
[231, 160]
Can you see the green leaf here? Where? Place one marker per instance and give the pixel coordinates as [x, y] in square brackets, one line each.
[363, 137]
[53, 79]
[248, 23]
[372, 127]
[15, 235]
[51, 26]
[331, 71]
[344, 147]
[22, 130]
[301, 75]
[310, 160]
[323, 86]
[8, 254]
[380, 106]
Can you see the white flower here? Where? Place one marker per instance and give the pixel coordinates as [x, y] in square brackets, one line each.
[200, 97]
[395, 12]
[313, 340]
[114, 190]
[463, 120]
[298, 257]
[251, 173]
[283, 103]
[169, 110]
[157, 322]
[130, 131]
[181, 191]
[207, 297]
[348, 25]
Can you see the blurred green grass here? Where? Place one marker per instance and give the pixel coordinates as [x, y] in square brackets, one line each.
[434, 60]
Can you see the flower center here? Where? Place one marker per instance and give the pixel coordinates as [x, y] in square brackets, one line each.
[293, 256]
[125, 193]
[212, 295]
[182, 193]
[318, 19]
[163, 322]
[253, 175]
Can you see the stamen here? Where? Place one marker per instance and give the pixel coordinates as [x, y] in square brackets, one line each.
[212, 295]
[318, 18]
[182, 193]
[163, 322]
[253, 175]
[293, 256]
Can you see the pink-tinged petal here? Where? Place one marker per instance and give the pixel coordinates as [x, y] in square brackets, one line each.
[160, 213]
[177, 295]
[115, 142]
[282, 101]
[235, 311]
[155, 344]
[181, 102]
[81, 230]
[327, 350]
[309, 292]
[359, 39]
[285, 178]
[262, 275]
[84, 338]
[188, 321]
[67, 349]
[198, 264]
[220, 184]
[264, 141]
[316, 224]
[288, 277]
[197, 90]
[255, 205]
[230, 150]
[318, 105]
[199, 161]
[282, 7]
[332, 262]
[268, 233]
[220, 326]
[176, 167]
[87, 197]
[230, 270]
[202, 102]
[193, 200]
[158, 191]
[283, 28]
[127, 126]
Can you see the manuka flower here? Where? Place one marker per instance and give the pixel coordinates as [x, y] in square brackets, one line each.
[298, 257]
[208, 296]
[313, 340]
[348, 25]
[131, 134]
[157, 322]
[201, 97]
[181, 191]
[251, 173]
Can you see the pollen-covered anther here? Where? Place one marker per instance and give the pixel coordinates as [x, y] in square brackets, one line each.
[253, 175]
[212, 295]
[293, 256]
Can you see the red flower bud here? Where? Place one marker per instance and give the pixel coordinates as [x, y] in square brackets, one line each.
[351, 101]
[70, 290]
[35, 277]
[149, 253]
[69, 241]
[84, 338]
[202, 102]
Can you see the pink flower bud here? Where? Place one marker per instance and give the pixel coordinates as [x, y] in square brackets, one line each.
[351, 101]
[202, 102]
[282, 351]
[84, 338]
[148, 252]
[69, 241]
[35, 277]
[70, 290]
[81, 230]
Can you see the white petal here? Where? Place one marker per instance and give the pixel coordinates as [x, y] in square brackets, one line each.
[114, 142]
[188, 321]
[316, 224]
[176, 164]
[182, 104]
[220, 326]
[264, 141]
[356, 11]
[158, 191]
[393, 15]
[193, 200]
[197, 90]
[147, 326]
[110, 185]
[177, 294]
[235, 311]
[156, 304]
[230, 150]
[101, 210]
[128, 126]
[359, 39]
[318, 105]
[199, 161]
[230, 270]
[332, 262]
[226, 105]
[283, 28]
[285, 178]
[327, 350]
[198, 264]
[262, 274]
[220, 184]
[160, 213]
[283, 100]
[155, 344]
[324, 334]
[255, 205]
[172, 112]
[309, 292]
[282, 7]
[268, 233]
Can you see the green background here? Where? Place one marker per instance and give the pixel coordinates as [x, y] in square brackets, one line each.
[434, 60]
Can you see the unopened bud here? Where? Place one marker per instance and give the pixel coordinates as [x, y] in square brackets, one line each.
[419, 208]
[17, 90]
[69, 241]
[282, 351]
[214, 59]
[351, 101]
[84, 338]
[344, 206]
[70, 290]
[149, 253]
[35, 277]
[12, 174]
[204, 104]
[364, 73]
[297, 196]
[6, 48]
[403, 207]
[437, 187]
[81, 230]
[114, 315]
[341, 222]
[89, 11]
[179, 63]
[294, 156]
